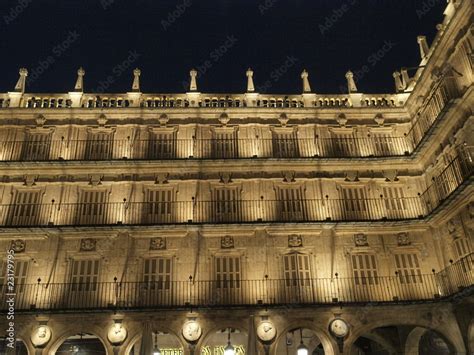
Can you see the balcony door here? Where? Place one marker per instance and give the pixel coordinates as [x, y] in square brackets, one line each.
[156, 288]
[25, 209]
[297, 278]
[224, 144]
[159, 206]
[83, 289]
[162, 145]
[285, 144]
[365, 277]
[396, 205]
[36, 146]
[355, 203]
[93, 207]
[291, 204]
[227, 280]
[226, 204]
[99, 146]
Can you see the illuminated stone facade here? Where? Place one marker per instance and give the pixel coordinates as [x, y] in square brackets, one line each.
[199, 217]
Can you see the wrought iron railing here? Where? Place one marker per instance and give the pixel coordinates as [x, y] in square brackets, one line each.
[166, 149]
[242, 211]
[264, 292]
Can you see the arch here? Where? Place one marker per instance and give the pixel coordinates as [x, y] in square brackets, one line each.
[329, 345]
[412, 344]
[456, 346]
[53, 347]
[229, 324]
[131, 340]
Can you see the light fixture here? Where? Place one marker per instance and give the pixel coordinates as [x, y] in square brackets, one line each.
[156, 350]
[229, 349]
[301, 349]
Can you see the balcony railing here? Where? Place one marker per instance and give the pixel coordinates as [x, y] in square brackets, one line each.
[203, 149]
[229, 211]
[268, 292]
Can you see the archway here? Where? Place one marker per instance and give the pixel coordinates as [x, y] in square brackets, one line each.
[20, 347]
[81, 344]
[216, 341]
[168, 344]
[302, 337]
[410, 340]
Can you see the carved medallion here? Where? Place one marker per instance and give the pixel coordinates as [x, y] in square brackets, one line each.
[295, 241]
[158, 243]
[18, 246]
[360, 240]
[88, 244]
[403, 239]
[227, 242]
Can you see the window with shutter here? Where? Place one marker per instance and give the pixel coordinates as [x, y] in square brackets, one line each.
[408, 268]
[462, 247]
[296, 268]
[36, 146]
[364, 269]
[159, 205]
[21, 275]
[162, 145]
[84, 275]
[384, 145]
[396, 205]
[93, 207]
[343, 144]
[99, 146]
[291, 203]
[227, 272]
[224, 145]
[285, 145]
[157, 273]
[355, 202]
[25, 209]
[226, 204]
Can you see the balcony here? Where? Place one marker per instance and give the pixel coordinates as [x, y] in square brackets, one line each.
[456, 278]
[84, 150]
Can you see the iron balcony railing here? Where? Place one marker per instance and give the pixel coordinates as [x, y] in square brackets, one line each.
[243, 211]
[401, 287]
[230, 211]
[166, 149]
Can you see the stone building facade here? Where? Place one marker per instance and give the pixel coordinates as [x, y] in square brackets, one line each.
[342, 224]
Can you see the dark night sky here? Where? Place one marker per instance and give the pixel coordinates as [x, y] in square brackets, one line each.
[265, 35]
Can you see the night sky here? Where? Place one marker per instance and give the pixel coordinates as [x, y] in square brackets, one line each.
[221, 38]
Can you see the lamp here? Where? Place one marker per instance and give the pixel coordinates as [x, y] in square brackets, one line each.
[229, 349]
[156, 350]
[301, 349]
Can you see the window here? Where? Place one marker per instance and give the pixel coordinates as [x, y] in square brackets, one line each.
[461, 248]
[297, 270]
[226, 204]
[364, 269]
[21, 274]
[36, 146]
[291, 203]
[408, 268]
[93, 207]
[285, 145]
[394, 200]
[224, 145]
[99, 146]
[160, 204]
[84, 275]
[384, 145]
[354, 201]
[227, 272]
[162, 145]
[343, 144]
[25, 209]
[157, 273]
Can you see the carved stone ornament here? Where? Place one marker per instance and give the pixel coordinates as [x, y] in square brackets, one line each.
[40, 120]
[295, 241]
[403, 239]
[158, 243]
[95, 180]
[161, 178]
[30, 180]
[88, 244]
[379, 119]
[226, 177]
[227, 242]
[341, 119]
[352, 176]
[224, 119]
[163, 119]
[360, 240]
[117, 334]
[283, 119]
[102, 120]
[18, 246]
[390, 175]
[289, 176]
[40, 336]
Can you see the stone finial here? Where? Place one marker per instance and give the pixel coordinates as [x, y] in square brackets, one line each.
[193, 83]
[424, 49]
[398, 82]
[306, 86]
[136, 80]
[250, 85]
[351, 86]
[79, 87]
[405, 78]
[21, 83]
